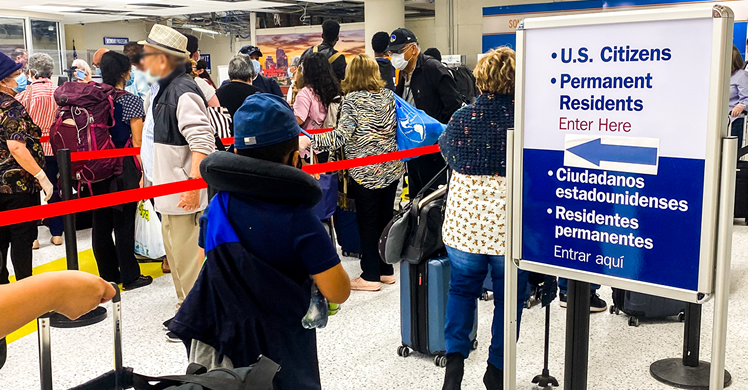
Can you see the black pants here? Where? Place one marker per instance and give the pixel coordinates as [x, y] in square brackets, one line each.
[373, 213]
[736, 130]
[117, 263]
[19, 237]
[421, 170]
[52, 169]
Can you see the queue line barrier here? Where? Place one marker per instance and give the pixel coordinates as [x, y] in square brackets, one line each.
[34, 213]
[127, 152]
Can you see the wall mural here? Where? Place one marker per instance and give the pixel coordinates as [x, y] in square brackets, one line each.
[279, 49]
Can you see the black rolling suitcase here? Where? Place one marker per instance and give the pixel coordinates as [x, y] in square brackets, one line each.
[741, 186]
[259, 376]
[638, 305]
[346, 230]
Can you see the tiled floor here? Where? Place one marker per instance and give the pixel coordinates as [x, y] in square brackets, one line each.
[358, 348]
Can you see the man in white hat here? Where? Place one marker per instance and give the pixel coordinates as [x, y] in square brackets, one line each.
[177, 136]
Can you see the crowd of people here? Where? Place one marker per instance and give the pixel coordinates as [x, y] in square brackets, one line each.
[259, 235]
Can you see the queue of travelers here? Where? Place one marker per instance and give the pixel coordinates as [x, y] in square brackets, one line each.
[259, 234]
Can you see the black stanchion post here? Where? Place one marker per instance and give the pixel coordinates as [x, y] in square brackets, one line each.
[65, 183]
[66, 187]
[577, 335]
[687, 372]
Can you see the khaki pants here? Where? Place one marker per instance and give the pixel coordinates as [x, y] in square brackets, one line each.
[185, 256]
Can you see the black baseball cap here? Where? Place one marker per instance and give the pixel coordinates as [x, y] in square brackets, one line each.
[249, 50]
[400, 38]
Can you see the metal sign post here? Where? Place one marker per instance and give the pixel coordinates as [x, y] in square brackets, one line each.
[71, 247]
[608, 189]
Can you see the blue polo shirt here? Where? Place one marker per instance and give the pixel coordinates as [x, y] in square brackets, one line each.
[290, 238]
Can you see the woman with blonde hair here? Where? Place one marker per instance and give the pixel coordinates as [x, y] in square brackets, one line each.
[474, 231]
[367, 127]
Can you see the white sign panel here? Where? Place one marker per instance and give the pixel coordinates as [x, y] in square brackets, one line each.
[618, 140]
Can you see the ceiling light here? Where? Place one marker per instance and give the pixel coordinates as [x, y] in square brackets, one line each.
[51, 8]
[202, 30]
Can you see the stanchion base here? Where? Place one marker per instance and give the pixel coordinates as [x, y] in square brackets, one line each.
[57, 320]
[672, 372]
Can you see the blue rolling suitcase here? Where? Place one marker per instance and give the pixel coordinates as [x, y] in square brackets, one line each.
[346, 230]
[639, 305]
[424, 289]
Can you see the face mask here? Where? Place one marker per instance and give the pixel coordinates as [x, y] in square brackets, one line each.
[151, 78]
[257, 66]
[130, 81]
[98, 71]
[21, 81]
[398, 61]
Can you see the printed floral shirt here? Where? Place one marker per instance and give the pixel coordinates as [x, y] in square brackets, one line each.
[16, 125]
[475, 218]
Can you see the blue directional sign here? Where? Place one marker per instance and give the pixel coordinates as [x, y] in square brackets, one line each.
[616, 188]
[595, 151]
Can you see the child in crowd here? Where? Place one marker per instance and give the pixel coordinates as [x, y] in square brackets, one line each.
[265, 247]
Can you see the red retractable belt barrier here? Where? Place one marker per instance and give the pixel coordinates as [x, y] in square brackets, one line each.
[370, 160]
[34, 213]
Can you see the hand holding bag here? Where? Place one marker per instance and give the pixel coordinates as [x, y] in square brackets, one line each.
[415, 234]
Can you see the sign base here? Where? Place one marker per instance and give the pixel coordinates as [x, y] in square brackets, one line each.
[57, 320]
[672, 372]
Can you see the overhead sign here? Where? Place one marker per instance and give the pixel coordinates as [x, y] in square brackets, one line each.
[618, 154]
[206, 58]
[112, 41]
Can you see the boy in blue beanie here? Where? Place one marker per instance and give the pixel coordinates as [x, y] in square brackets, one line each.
[265, 247]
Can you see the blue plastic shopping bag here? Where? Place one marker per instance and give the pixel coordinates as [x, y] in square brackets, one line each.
[414, 127]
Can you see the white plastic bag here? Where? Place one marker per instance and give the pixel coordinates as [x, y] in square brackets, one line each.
[148, 239]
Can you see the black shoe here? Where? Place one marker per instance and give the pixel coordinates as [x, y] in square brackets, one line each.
[172, 337]
[455, 371]
[166, 324]
[596, 304]
[494, 378]
[562, 299]
[3, 352]
[141, 281]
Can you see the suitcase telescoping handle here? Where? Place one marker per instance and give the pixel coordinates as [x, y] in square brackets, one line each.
[117, 321]
[45, 348]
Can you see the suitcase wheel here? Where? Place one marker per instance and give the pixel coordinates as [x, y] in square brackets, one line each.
[634, 321]
[403, 351]
[475, 345]
[615, 310]
[440, 361]
[486, 296]
[682, 316]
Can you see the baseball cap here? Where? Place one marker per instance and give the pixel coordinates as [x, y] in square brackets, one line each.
[263, 120]
[249, 50]
[400, 38]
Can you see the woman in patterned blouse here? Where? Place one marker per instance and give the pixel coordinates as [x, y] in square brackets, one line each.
[474, 231]
[21, 173]
[116, 258]
[367, 127]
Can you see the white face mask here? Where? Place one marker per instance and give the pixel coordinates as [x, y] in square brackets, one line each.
[398, 61]
[150, 78]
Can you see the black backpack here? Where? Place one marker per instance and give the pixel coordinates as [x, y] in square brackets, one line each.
[465, 82]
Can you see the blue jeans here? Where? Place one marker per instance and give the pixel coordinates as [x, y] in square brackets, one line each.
[563, 286]
[469, 271]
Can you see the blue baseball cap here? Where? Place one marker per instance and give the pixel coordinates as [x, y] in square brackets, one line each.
[263, 120]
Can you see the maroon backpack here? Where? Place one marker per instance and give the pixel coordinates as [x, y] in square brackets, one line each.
[90, 106]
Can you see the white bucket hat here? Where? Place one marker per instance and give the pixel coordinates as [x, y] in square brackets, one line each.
[168, 40]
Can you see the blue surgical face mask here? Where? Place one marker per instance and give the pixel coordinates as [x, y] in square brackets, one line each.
[98, 71]
[22, 81]
[257, 66]
[130, 81]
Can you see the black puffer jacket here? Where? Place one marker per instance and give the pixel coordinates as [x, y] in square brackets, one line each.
[434, 89]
